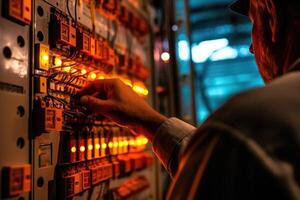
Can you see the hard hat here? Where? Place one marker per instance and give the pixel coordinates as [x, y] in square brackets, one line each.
[240, 6]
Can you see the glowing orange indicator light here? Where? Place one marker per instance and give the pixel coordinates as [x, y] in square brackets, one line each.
[101, 77]
[58, 62]
[116, 144]
[82, 148]
[145, 92]
[144, 140]
[132, 142]
[104, 145]
[73, 71]
[90, 147]
[125, 143]
[73, 149]
[67, 69]
[83, 71]
[97, 146]
[45, 58]
[121, 144]
[93, 76]
[139, 142]
[110, 144]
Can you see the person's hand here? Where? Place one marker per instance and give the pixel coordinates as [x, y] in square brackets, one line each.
[119, 103]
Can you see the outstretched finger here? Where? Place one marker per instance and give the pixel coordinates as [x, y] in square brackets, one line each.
[99, 86]
[96, 105]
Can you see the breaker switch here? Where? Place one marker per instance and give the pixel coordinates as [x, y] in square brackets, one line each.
[40, 85]
[116, 169]
[84, 41]
[26, 11]
[98, 49]
[81, 143]
[93, 46]
[125, 165]
[69, 147]
[18, 10]
[47, 119]
[89, 146]
[94, 173]
[96, 144]
[16, 180]
[86, 180]
[62, 34]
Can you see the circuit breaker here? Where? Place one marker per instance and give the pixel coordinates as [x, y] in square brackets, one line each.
[51, 147]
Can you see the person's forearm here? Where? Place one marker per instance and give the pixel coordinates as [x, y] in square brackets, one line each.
[119, 103]
[170, 141]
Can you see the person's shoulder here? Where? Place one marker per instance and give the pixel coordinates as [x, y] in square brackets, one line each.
[277, 102]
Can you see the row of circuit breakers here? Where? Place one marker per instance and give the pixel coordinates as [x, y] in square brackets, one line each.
[76, 155]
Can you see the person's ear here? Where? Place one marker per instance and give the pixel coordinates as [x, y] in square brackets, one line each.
[274, 19]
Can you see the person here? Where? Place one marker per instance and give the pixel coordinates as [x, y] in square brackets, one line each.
[250, 147]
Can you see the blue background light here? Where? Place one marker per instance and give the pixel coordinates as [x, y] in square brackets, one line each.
[223, 65]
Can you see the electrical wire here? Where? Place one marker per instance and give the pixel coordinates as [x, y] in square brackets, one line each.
[108, 28]
[68, 9]
[76, 3]
[115, 28]
[93, 16]
[128, 42]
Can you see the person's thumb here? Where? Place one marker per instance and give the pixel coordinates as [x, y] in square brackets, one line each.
[96, 105]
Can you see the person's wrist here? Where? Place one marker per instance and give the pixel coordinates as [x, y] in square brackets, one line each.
[152, 125]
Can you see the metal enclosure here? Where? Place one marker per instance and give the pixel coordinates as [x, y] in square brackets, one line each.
[20, 145]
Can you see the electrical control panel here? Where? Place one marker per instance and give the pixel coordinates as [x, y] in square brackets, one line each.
[52, 147]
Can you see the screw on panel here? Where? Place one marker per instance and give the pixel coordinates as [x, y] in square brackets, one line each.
[40, 36]
[21, 111]
[7, 52]
[20, 142]
[40, 182]
[20, 41]
[40, 11]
